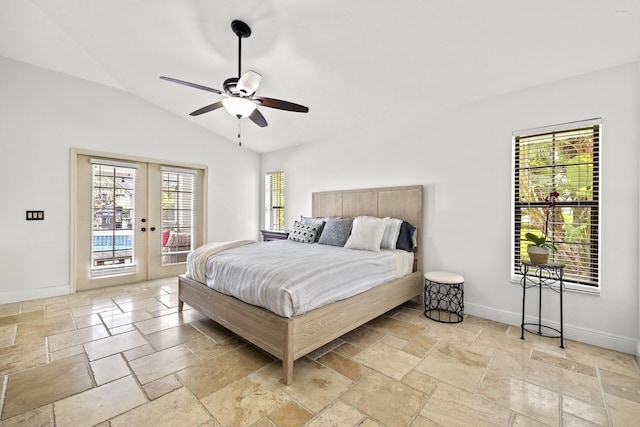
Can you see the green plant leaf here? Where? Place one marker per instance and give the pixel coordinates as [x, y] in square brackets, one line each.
[536, 240]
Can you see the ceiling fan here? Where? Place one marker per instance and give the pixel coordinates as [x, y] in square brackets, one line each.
[238, 97]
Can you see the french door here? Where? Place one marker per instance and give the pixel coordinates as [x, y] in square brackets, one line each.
[133, 220]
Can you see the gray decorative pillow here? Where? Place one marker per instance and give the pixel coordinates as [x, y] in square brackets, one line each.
[303, 233]
[336, 231]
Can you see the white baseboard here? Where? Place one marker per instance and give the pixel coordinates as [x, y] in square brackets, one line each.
[31, 294]
[590, 336]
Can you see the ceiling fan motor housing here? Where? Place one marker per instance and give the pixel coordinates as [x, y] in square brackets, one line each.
[229, 85]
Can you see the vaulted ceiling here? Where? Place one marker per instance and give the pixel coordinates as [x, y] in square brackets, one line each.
[355, 63]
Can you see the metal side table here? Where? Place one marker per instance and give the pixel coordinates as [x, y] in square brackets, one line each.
[444, 296]
[540, 275]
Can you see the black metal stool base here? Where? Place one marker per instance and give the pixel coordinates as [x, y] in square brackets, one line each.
[443, 316]
[444, 302]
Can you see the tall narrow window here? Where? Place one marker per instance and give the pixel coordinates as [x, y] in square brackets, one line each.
[274, 201]
[177, 214]
[113, 216]
[563, 159]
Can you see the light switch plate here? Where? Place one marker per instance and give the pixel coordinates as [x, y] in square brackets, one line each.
[35, 215]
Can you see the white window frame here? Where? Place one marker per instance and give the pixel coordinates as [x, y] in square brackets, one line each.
[516, 276]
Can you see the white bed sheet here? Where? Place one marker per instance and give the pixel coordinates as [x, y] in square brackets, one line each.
[290, 278]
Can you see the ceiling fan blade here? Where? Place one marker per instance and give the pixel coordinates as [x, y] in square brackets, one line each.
[208, 108]
[248, 83]
[257, 118]
[281, 105]
[194, 85]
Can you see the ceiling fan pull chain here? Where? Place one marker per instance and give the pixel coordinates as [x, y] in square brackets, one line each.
[239, 141]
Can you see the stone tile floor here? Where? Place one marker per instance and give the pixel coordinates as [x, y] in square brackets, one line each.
[123, 356]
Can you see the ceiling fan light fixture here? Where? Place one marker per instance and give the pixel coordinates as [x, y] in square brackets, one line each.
[238, 106]
[248, 83]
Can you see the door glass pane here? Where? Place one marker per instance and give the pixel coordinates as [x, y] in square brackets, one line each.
[177, 215]
[113, 216]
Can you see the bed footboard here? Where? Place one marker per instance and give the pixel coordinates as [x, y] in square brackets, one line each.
[255, 324]
[291, 339]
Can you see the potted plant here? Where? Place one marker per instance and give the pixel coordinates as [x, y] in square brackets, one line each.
[538, 248]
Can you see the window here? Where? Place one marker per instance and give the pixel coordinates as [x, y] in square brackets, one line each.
[113, 216]
[564, 159]
[178, 200]
[274, 201]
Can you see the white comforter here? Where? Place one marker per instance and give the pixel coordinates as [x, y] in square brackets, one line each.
[290, 278]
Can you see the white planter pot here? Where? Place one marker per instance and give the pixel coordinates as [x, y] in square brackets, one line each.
[538, 254]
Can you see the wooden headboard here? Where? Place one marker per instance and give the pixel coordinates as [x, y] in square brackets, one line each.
[396, 202]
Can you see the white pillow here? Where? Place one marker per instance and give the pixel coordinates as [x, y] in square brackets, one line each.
[366, 233]
[391, 233]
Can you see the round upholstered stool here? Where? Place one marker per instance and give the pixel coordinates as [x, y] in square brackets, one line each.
[444, 296]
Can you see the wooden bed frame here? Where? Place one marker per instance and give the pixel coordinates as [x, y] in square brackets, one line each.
[289, 339]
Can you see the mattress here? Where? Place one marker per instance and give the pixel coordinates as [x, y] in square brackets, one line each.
[290, 278]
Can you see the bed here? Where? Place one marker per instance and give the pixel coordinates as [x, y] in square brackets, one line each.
[289, 339]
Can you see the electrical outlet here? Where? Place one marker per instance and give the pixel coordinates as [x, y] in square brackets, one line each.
[35, 215]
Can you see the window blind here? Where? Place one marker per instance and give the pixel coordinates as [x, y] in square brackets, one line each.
[565, 160]
[274, 201]
[178, 203]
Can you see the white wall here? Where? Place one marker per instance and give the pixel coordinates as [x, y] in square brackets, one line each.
[43, 115]
[463, 159]
[638, 262]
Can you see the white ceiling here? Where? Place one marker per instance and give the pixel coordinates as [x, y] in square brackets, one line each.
[355, 63]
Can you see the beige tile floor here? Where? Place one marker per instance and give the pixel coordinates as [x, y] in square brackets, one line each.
[123, 356]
